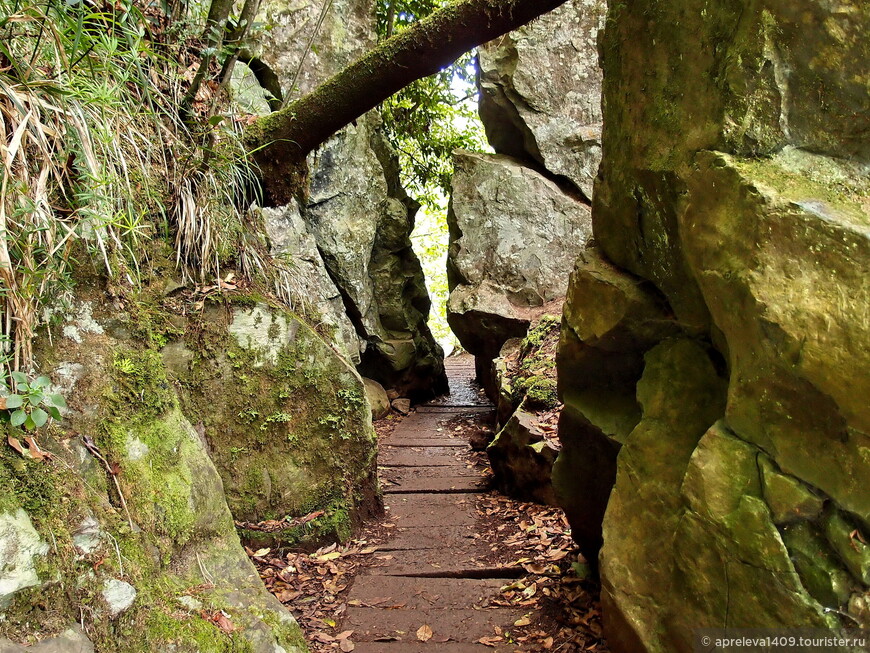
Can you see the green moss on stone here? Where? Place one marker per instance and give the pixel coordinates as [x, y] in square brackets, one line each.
[849, 543]
[190, 634]
[285, 417]
[820, 571]
[788, 498]
[809, 180]
[540, 392]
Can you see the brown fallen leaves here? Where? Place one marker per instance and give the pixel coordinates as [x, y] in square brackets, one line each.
[313, 587]
[30, 449]
[563, 612]
[220, 619]
[559, 606]
[424, 633]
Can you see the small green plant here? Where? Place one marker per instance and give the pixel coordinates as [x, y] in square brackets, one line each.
[248, 415]
[276, 418]
[29, 405]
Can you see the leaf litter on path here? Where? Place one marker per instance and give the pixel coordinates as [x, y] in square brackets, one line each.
[561, 609]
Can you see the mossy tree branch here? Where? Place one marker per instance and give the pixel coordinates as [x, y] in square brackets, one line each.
[281, 140]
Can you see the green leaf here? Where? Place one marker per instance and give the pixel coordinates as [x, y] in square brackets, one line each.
[39, 417]
[29, 423]
[34, 397]
[18, 377]
[55, 413]
[18, 418]
[14, 401]
[58, 401]
[42, 382]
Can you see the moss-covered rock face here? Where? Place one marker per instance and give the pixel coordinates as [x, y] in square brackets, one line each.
[610, 320]
[733, 187]
[285, 417]
[131, 532]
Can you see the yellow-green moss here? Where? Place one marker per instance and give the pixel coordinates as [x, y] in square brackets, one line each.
[288, 433]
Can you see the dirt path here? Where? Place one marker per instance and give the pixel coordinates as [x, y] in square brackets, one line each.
[431, 588]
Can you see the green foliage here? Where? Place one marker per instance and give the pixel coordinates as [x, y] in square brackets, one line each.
[430, 240]
[429, 119]
[30, 405]
[96, 159]
[426, 121]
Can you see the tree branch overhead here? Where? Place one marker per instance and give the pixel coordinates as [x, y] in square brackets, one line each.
[280, 141]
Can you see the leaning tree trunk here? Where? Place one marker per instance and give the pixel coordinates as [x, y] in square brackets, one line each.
[280, 141]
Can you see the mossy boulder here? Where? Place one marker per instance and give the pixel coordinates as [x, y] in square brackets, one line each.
[733, 186]
[610, 320]
[784, 258]
[681, 394]
[134, 511]
[285, 417]
[377, 397]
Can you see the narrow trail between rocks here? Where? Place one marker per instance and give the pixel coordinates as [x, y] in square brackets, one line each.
[431, 588]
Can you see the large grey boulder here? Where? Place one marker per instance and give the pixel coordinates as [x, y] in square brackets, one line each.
[358, 214]
[293, 244]
[346, 33]
[541, 92]
[362, 220]
[513, 234]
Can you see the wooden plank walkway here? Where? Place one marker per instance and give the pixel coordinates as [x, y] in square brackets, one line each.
[433, 573]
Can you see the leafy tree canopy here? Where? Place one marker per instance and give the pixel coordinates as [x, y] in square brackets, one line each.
[430, 118]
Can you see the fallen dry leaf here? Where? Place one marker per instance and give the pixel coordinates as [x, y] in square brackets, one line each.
[346, 645]
[424, 633]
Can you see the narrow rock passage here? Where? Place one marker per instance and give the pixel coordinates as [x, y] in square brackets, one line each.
[431, 587]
